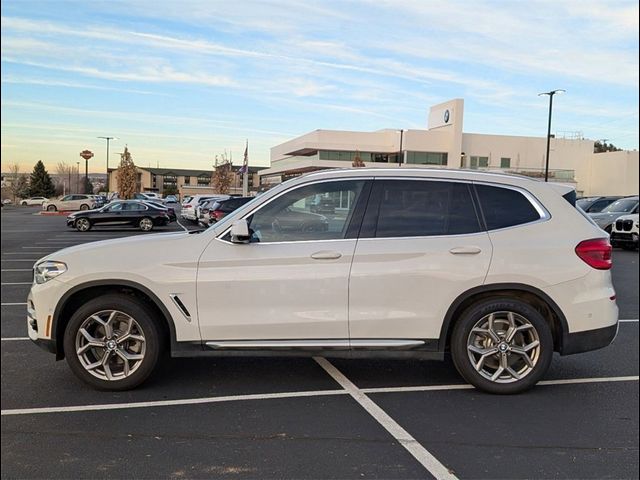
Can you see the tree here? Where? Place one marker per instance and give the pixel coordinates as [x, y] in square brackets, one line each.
[127, 176]
[13, 176]
[171, 190]
[222, 175]
[41, 184]
[601, 147]
[357, 161]
[20, 188]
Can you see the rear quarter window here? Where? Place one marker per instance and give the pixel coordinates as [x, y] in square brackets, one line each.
[504, 207]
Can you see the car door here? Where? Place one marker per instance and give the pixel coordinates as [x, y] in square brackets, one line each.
[111, 215]
[420, 247]
[284, 284]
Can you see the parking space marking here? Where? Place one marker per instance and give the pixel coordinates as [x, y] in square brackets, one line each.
[19, 260]
[16, 270]
[169, 403]
[421, 454]
[464, 386]
[631, 320]
[14, 339]
[12, 304]
[16, 283]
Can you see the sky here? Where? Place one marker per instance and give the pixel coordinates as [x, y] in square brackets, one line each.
[180, 82]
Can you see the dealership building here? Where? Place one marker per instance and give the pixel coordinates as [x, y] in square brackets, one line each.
[444, 145]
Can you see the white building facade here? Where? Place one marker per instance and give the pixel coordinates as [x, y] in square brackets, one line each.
[444, 145]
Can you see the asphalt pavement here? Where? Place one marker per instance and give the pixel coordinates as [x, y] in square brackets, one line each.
[306, 418]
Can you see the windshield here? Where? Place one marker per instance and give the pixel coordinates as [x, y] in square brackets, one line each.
[584, 203]
[624, 205]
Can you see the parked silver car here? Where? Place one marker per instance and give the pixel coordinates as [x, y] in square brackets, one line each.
[624, 206]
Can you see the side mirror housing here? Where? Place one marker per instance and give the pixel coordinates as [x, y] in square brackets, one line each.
[240, 231]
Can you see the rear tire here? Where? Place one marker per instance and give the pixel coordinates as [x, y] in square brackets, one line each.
[24, 204]
[51, 208]
[502, 345]
[109, 332]
[145, 224]
[84, 206]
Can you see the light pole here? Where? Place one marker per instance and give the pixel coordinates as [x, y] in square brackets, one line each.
[78, 177]
[108, 139]
[551, 94]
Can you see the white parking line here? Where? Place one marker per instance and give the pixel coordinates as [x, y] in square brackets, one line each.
[16, 283]
[421, 454]
[183, 227]
[268, 396]
[16, 270]
[631, 320]
[11, 304]
[19, 260]
[14, 339]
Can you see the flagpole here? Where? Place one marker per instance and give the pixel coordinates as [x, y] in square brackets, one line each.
[245, 173]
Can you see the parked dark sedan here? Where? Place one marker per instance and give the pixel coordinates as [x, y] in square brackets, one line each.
[170, 210]
[133, 213]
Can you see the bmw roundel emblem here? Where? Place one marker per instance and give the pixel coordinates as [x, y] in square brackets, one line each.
[446, 116]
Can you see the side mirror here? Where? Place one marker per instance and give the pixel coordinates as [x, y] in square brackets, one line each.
[240, 231]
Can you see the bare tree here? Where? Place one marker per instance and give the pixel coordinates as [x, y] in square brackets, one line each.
[65, 173]
[357, 161]
[127, 176]
[13, 177]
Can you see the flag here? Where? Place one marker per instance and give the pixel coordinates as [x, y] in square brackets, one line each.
[245, 162]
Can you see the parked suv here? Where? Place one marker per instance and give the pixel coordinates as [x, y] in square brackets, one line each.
[498, 270]
[213, 211]
[189, 210]
[623, 206]
[70, 203]
[624, 232]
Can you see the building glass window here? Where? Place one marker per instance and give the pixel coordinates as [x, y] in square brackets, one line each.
[478, 162]
[187, 180]
[204, 180]
[427, 158]
[505, 162]
[349, 156]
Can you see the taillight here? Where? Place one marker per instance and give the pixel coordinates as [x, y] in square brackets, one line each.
[596, 253]
[218, 214]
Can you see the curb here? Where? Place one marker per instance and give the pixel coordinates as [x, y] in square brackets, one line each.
[54, 214]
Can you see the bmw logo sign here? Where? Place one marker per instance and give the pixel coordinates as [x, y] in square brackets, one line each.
[446, 116]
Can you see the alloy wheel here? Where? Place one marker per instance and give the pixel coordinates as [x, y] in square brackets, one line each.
[110, 345]
[82, 224]
[503, 347]
[146, 224]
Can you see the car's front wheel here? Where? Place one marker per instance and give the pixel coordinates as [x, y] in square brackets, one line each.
[24, 204]
[51, 208]
[146, 224]
[502, 345]
[83, 224]
[112, 342]
[84, 206]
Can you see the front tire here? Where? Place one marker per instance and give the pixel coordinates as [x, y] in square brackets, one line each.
[112, 343]
[502, 345]
[51, 208]
[24, 204]
[84, 206]
[145, 224]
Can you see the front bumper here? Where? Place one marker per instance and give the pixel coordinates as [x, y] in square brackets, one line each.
[620, 238]
[589, 340]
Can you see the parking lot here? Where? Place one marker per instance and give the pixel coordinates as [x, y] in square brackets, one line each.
[306, 418]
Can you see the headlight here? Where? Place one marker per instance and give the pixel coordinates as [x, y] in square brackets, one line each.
[45, 271]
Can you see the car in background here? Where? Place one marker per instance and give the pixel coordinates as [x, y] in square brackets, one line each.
[134, 213]
[33, 201]
[190, 203]
[624, 232]
[623, 206]
[158, 204]
[147, 196]
[324, 205]
[595, 204]
[101, 200]
[215, 210]
[170, 199]
[70, 203]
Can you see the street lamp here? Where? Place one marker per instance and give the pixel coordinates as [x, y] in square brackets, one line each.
[77, 177]
[551, 94]
[108, 139]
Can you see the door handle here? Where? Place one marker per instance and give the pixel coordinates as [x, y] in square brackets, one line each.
[465, 250]
[326, 255]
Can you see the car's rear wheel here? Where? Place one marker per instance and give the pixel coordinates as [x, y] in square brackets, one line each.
[83, 224]
[112, 343]
[24, 204]
[84, 206]
[51, 208]
[146, 224]
[502, 345]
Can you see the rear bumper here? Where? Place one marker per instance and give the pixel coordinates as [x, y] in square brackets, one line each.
[589, 340]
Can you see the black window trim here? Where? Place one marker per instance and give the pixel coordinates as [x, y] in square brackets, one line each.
[370, 221]
[353, 223]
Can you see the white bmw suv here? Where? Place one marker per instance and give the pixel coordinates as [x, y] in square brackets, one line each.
[499, 271]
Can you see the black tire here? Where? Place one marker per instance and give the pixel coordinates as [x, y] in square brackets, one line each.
[84, 206]
[146, 224]
[462, 333]
[83, 224]
[51, 208]
[24, 204]
[129, 306]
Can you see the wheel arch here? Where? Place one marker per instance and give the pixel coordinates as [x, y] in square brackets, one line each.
[80, 293]
[536, 297]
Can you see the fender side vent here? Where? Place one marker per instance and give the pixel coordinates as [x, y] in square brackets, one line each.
[181, 306]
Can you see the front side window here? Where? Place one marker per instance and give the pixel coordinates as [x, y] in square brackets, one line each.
[116, 207]
[321, 211]
[504, 207]
[418, 208]
[134, 207]
[624, 205]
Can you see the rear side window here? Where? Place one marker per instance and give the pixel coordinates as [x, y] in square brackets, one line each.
[418, 208]
[503, 207]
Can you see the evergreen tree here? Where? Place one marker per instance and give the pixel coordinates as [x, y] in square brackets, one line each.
[127, 176]
[88, 186]
[41, 184]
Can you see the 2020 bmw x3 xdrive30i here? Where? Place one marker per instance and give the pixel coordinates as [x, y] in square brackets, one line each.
[499, 271]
